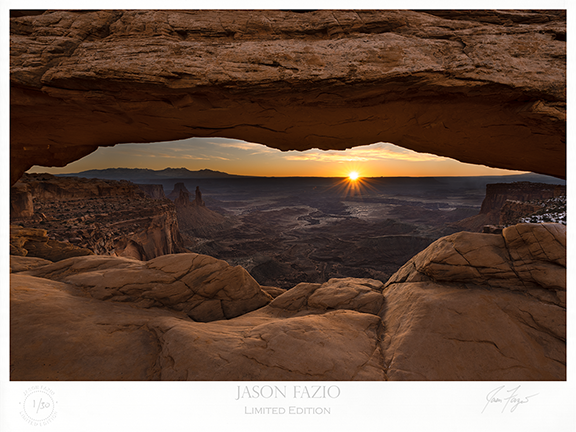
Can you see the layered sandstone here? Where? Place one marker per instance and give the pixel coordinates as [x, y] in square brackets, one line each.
[46, 187]
[103, 216]
[497, 194]
[506, 203]
[482, 87]
[24, 263]
[470, 307]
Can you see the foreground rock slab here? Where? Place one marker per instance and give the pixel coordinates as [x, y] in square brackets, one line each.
[470, 307]
[204, 288]
[59, 334]
[481, 307]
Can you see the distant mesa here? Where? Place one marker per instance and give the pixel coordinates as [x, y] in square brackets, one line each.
[181, 196]
[155, 191]
[507, 204]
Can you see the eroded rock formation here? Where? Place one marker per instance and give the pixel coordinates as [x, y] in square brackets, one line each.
[506, 203]
[198, 197]
[194, 218]
[21, 202]
[470, 307]
[103, 216]
[176, 192]
[485, 87]
[33, 242]
[204, 288]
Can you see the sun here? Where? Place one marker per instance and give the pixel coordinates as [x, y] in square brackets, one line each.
[353, 184]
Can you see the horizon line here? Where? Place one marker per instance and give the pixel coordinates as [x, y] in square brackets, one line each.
[297, 176]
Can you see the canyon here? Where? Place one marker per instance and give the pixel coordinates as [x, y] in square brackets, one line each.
[90, 215]
[484, 87]
[282, 231]
[276, 317]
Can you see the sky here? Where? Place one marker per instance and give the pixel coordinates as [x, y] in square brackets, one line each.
[243, 158]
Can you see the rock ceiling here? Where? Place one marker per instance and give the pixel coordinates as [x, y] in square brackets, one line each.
[484, 87]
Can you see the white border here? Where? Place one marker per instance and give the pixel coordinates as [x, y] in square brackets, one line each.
[208, 406]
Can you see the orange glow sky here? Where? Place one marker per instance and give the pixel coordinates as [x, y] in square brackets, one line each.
[243, 158]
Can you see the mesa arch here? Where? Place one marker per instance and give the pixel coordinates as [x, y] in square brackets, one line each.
[484, 87]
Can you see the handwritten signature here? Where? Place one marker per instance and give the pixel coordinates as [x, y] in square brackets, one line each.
[506, 398]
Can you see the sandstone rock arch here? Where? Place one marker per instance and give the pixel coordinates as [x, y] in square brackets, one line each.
[485, 87]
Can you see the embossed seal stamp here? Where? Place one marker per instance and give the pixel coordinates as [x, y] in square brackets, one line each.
[39, 406]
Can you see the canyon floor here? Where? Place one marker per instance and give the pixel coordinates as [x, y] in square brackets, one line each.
[290, 230]
[310, 230]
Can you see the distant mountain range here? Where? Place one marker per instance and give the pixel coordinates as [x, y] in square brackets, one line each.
[140, 174]
[145, 175]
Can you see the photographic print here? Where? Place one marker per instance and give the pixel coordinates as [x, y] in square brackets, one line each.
[279, 203]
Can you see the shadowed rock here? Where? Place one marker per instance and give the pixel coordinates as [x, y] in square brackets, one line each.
[35, 243]
[178, 191]
[455, 84]
[155, 191]
[21, 203]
